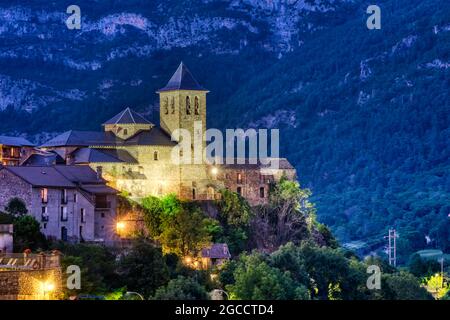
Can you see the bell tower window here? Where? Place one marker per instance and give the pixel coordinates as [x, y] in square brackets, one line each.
[172, 105]
[125, 132]
[166, 106]
[196, 106]
[188, 105]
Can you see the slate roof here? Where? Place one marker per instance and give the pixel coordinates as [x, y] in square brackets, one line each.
[15, 141]
[217, 251]
[63, 177]
[283, 164]
[44, 159]
[42, 176]
[128, 116]
[182, 79]
[87, 155]
[153, 136]
[83, 139]
[99, 189]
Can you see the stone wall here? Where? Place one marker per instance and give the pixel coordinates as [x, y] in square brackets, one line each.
[12, 186]
[28, 285]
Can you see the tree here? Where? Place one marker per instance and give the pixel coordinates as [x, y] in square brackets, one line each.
[97, 263]
[255, 279]
[181, 288]
[27, 234]
[16, 207]
[422, 267]
[180, 227]
[286, 218]
[143, 269]
[234, 217]
[402, 286]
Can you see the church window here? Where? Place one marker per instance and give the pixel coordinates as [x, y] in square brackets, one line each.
[155, 155]
[196, 106]
[239, 178]
[188, 105]
[172, 105]
[125, 132]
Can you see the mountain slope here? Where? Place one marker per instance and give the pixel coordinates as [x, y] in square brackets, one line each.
[364, 115]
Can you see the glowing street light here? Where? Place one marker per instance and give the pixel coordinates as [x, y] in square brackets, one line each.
[120, 226]
[47, 287]
[214, 170]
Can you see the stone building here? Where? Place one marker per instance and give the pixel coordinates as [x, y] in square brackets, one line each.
[135, 155]
[13, 151]
[72, 203]
[6, 238]
[215, 256]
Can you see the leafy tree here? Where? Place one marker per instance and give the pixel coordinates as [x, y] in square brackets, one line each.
[181, 288]
[143, 269]
[97, 263]
[180, 227]
[27, 234]
[402, 286]
[422, 267]
[16, 207]
[234, 217]
[287, 218]
[255, 279]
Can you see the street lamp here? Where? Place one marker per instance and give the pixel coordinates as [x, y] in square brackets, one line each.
[135, 293]
[47, 287]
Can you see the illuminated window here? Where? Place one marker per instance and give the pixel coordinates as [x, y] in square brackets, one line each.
[44, 195]
[239, 178]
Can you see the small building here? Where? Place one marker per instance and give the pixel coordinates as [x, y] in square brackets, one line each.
[72, 203]
[14, 150]
[6, 238]
[215, 255]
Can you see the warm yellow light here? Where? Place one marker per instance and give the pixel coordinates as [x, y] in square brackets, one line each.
[188, 259]
[214, 170]
[120, 225]
[48, 286]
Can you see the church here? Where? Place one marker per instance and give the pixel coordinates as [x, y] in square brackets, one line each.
[134, 155]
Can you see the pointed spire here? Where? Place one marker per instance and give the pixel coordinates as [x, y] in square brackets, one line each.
[182, 79]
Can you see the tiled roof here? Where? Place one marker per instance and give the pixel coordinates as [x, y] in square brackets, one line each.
[15, 141]
[79, 174]
[283, 164]
[217, 251]
[182, 79]
[99, 189]
[128, 116]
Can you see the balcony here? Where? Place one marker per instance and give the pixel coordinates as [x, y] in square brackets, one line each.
[101, 205]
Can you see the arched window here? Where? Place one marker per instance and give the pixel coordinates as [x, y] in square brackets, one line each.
[193, 194]
[125, 132]
[172, 105]
[166, 106]
[155, 155]
[196, 106]
[188, 105]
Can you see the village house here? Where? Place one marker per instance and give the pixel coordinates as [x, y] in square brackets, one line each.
[215, 255]
[72, 203]
[13, 151]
